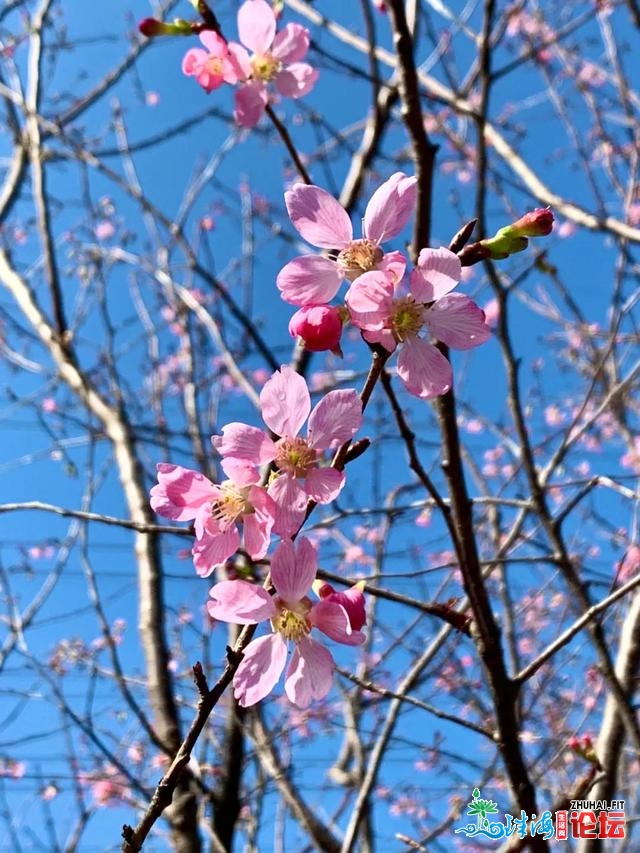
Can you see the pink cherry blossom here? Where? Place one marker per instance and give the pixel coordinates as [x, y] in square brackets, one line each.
[388, 314]
[216, 510]
[275, 58]
[211, 67]
[104, 230]
[323, 222]
[286, 405]
[292, 615]
[108, 785]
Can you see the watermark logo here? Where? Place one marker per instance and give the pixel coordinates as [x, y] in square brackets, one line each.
[584, 819]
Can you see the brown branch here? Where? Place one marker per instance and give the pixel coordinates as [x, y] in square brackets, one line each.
[485, 628]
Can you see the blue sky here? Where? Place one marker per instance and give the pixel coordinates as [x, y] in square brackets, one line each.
[46, 456]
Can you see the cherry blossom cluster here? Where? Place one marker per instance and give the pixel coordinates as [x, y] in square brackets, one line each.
[275, 475]
[392, 308]
[219, 511]
[266, 60]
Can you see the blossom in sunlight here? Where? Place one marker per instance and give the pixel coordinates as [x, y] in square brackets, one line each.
[631, 459]
[108, 785]
[323, 222]
[629, 565]
[216, 510]
[49, 792]
[12, 769]
[390, 314]
[286, 404]
[213, 65]
[104, 229]
[292, 615]
[275, 58]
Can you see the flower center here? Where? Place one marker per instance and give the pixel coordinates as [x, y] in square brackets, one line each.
[213, 66]
[291, 620]
[295, 456]
[265, 67]
[358, 257]
[407, 318]
[232, 503]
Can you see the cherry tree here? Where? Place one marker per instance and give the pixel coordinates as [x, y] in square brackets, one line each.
[320, 361]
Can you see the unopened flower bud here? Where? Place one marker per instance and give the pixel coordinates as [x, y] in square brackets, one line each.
[513, 238]
[318, 326]
[536, 223]
[351, 599]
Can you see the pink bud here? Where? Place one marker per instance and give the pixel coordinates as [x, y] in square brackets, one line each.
[536, 223]
[319, 327]
[574, 743]
[351, 599]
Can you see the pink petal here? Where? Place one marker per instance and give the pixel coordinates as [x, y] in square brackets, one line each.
[369, 300]
[240, 60]
[285, 402]
[256, 25]
[233, 69]
[250, 101]
[310, 673]
[244, 442]
[240, 602]
[239, 471]
[215, 45]
[291, 502]
[180, 492]
[438, 272]
[390, 207]
[208, 81]
[425, 372]
[333, 620]
[293, 569]
[297, 80]
[204, 523]
[351, 599]
[309, 280]
[336, 419]
[458, 321]
[193, 60]
[324, 484]
[384, 337]
[260, 669]
[212, 550]
[259, 523]
[291, 43]
[318, 217]
[394, 264]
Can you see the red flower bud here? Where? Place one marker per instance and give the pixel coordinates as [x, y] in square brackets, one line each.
[536, 223]
[513, 238]
[319, 327]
